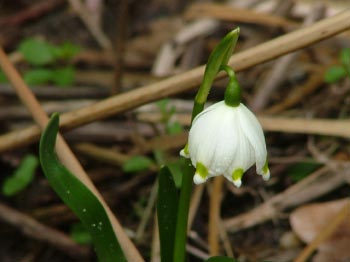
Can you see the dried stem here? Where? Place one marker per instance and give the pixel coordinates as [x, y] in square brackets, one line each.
[91, 24]
[188, 80]
[36, 230]
[64, 152]
[324, 234]
[214, 216]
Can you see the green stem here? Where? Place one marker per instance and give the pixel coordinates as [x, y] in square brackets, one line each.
[233, 89]
[182, 214]
[219, 57]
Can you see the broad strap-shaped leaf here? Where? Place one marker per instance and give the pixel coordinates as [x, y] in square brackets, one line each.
[167, 213]
[79, 198]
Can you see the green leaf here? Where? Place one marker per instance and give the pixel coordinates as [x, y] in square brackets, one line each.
[66, 51]
[167, 213]
[22, 177]
[176, 171]
[173, 128]
[38, 76]
[80, 234]
[163, 105]
[221, 259]
[345, 59]
[301, 170]
[334, 74]
[3, 77]
[37, 52]
[78, 197]
[63, 77]
[137, 163]
[183, 210]
[159, 157]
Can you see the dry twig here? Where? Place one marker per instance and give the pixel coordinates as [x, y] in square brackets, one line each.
[324, 234]
[36, 230]
[186, 81]
[214, 216]
[315, 185]
[64, 152]
[91, 24]
[230, 13]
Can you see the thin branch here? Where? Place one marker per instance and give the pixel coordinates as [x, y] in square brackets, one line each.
[63, 151]
[317, 126]
[36, 230]
[32, 12]
[91, 24]
[190, 79]
[324, 233]
[214, 216]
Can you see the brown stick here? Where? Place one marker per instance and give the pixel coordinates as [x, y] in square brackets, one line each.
[214, 216]
[36, 230]
[188, 80]
[32, 12]
[324, 234]
[328, 127]
[317, 184]
[64, 152]
[232, 14]
[90, 24]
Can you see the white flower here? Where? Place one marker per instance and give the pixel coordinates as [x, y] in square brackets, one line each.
[226, 140]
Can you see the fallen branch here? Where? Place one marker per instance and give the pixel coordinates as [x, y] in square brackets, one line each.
[64, 153]
[36, 230]
[186, 81]
[315, 185]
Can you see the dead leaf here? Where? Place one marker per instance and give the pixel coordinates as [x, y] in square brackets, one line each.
[308, 221]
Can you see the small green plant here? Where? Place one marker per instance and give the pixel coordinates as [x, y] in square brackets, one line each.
[339, 72]
[48, 62]
[22, 176]
[301, 170]
[167, 112]
[174, 195]
[137, 163]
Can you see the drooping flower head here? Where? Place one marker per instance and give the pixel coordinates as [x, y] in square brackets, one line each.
[226, 139]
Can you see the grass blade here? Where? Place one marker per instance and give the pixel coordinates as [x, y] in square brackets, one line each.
[167, 213]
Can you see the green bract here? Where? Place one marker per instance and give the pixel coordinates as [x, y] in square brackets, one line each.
[219, 57]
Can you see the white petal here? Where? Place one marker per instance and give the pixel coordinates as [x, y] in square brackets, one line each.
[227, 140]
[207, 110]
[254, 133]
[198, 179]
[244, 156]
[237, 182]
[266, 176]
[211, 140]
[183, 154]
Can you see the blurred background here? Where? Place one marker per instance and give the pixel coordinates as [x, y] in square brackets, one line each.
[75, 53]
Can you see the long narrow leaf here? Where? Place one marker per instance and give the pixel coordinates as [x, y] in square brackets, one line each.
[167, 213]
[221, 259]
[79, 198]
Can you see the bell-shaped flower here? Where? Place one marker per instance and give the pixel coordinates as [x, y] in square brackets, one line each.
[226, 140]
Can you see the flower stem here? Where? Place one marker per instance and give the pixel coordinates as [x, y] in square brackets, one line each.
[233, 89]
[182, 215]
[219, 57]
